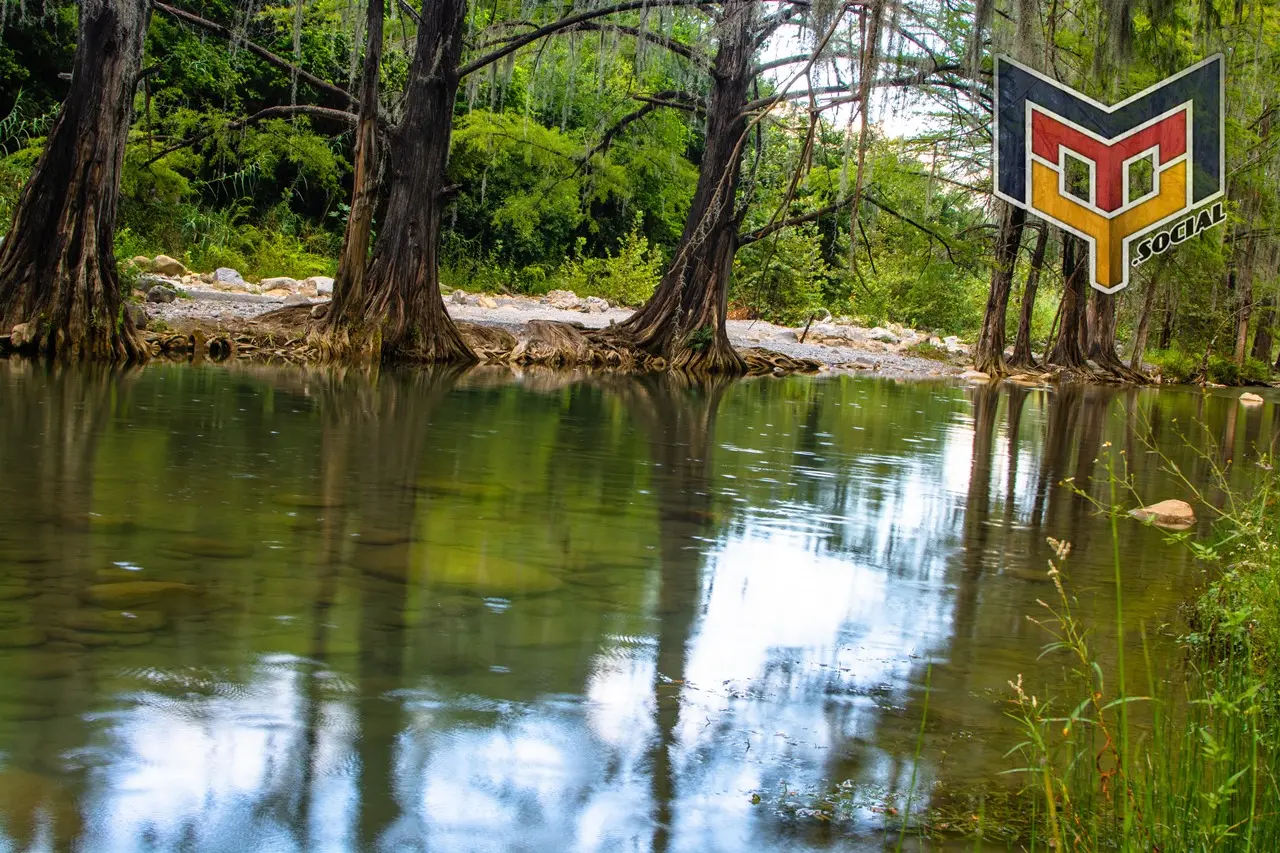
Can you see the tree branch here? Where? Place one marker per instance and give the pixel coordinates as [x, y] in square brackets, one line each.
[269, 112]
[773, 228]
[257, 50]
[567, 22]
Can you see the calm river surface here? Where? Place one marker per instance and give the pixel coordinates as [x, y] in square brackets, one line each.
[269, 610]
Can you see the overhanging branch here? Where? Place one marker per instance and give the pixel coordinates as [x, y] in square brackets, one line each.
[256, 50]
[261, 115]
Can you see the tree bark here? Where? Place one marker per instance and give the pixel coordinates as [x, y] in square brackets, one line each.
[1022, 355]
[1144, 323]
[1067, 351]
[1102, 337]
[684, 320]
[401, 315]
[988, 353]
[1262, 339]
[348, 285]
[57, 267]
[1245, 309]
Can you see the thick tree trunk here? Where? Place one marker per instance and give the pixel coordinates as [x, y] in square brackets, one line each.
[401, 315]
[1262, 340]
[58, 276]
[1102, 336]
[1144, 324]
[1022, 355]
[988, 353]
[348, 286]
[1067, 351]
[684, 320]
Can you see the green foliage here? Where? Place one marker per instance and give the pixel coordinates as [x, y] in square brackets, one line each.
[627, 278]
[1175, 365]
[782, 278]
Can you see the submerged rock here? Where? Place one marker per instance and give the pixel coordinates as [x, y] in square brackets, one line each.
[1174, 514]
[113, 621]
[13, 592]
[493, 576]
[198, 546]
[97, 639]
[130, 593]
[21, 637]
[306, 501]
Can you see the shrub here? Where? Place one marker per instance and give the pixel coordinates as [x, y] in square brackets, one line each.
[627, 278]
[781, 279]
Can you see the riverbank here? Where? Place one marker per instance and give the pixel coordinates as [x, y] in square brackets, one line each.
[272, 325]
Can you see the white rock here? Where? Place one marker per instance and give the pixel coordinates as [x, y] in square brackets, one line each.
[883, 336]
[226, 275]
[280, 282]
[322, 283]
[975, 376]
[1251, 399]
[563, 299]
[486, 302]
[459, 297]
[595, 305]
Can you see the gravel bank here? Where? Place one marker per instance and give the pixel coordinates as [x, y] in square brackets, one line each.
[839, 347]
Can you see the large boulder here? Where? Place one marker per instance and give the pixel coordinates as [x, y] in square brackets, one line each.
[142, 262]
[229, 277]
[279, 283]
[883, 336]
[166, 265]
[1174, 514]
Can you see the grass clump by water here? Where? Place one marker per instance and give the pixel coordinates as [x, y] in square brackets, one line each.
[1188, 764]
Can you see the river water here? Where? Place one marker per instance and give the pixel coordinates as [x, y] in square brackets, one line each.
[275, 610]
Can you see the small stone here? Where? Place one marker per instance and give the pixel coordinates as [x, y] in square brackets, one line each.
[207, 277]
[166, 265]
[198, 546]
[975, 376]
[279, 282]
[226, 275]
[161, 293]
[1174, 514]
[487, 302]
[595, 305]
[322, 283]
[459, 297]
[319, 312]
[1249, 398]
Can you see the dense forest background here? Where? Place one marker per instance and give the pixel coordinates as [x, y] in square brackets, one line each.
[557, 183]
